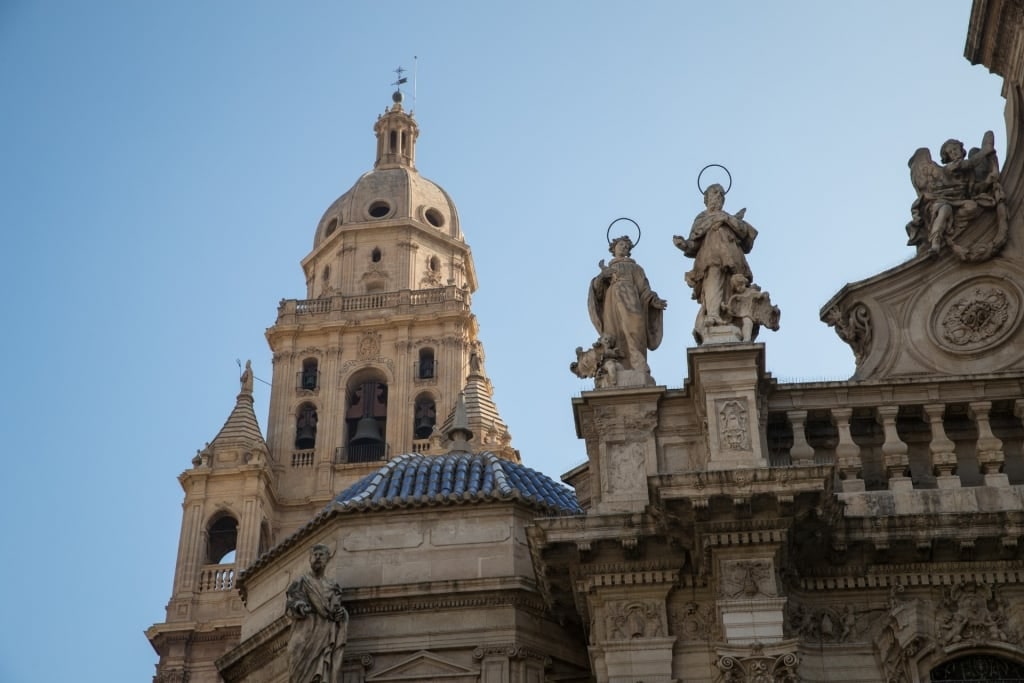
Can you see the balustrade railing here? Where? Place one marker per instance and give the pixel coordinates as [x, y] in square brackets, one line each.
[303, 458]
[902, 445]
[376, 300]
[216, 577]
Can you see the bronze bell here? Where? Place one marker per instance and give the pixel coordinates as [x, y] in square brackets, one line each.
[424, 427]
[367, 432]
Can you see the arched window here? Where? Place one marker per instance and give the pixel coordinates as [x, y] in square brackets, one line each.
[222, 539]
[309, 378]
[366, 419]
[425, 368]
[305, 426]
[978, 667]
[375, 255]
[424, 417]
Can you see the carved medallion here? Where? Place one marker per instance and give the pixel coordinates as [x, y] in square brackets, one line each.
[626, 620]
[747, 579]
[975, 316]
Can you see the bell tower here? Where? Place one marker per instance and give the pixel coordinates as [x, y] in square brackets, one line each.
[368, 366]
[370, 363]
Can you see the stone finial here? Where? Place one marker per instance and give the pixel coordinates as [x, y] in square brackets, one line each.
[460, 434]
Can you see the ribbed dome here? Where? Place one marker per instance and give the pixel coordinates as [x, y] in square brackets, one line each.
[387, 194]
[413, 479]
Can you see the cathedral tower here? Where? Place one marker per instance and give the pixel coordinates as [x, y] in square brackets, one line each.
[368, 366]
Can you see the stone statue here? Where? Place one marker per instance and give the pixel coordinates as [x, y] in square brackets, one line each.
[246, 378]
[600, 361]
[623, 307]
[952, 195]
[751, 307]
[319, 623]
[718, 243]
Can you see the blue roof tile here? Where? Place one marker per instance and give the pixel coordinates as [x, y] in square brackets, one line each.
[417, 479]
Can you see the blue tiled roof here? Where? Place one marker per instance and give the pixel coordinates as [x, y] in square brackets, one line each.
[455, 478]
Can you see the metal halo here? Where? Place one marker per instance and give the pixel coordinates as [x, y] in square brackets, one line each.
[608, 232]
[714, 166]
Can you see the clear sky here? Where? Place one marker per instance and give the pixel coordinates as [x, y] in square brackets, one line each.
[163, 166]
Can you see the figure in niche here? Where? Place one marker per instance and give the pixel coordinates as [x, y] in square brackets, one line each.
[751, 307]
[623, 307]
[953, 195]
[319, 623]
[718, 243]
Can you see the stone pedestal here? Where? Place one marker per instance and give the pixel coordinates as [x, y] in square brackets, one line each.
[725, 380]
[618, 426]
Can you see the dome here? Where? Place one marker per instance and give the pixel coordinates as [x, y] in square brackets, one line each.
[391, 194]
[414, 479]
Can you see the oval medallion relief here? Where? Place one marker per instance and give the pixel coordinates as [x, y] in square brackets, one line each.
[979, 314]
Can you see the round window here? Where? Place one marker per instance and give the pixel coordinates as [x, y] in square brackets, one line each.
[379, 209]
[435, 218]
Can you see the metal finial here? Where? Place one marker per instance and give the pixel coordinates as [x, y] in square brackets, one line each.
[401, 80]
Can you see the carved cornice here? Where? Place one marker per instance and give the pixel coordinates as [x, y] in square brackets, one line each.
[256, 651]
[511, 651]
[517, 599]
[629, 575]
[911, 575]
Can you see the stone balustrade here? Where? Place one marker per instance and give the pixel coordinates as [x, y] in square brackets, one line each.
[921, 435]
[303, 458]
[216, 577]
[335, 307]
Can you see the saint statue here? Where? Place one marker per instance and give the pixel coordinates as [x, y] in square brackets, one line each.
[246, 378]
[627, 313]
[319, 623]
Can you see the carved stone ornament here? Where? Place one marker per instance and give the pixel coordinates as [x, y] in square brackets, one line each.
[626, 468]
[951, 197]
[601, 361]
[836, 624]
[853, 326]
[733, 425]
[973, 612]
[695, 622]
[976, 319]
[627, 620]
[759, 667]
[369, 346]
[745, 579]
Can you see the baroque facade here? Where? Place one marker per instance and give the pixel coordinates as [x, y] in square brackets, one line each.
[735, 529]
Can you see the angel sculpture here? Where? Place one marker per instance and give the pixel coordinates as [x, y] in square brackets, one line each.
[952, 195]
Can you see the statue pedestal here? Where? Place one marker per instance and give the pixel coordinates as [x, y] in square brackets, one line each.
[725, 380]
[721, 334]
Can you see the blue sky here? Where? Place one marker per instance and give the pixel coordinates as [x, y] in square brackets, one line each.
[163, 167]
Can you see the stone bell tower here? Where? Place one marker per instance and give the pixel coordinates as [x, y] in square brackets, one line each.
[368, 366]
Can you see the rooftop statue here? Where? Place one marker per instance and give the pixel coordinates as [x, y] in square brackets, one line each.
[627, 314]
[732, 308]
[953, 195]
[319, 623]
[246, 379]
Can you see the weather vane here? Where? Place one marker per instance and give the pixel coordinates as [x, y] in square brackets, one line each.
[401, 79]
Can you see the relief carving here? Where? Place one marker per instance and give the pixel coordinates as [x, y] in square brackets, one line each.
[369, 346]
[974, 319]
[973, 611]
[693, 621]
[837, 624]
[733, 425]
[626, 469]
[747, 579]
[626, 620]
